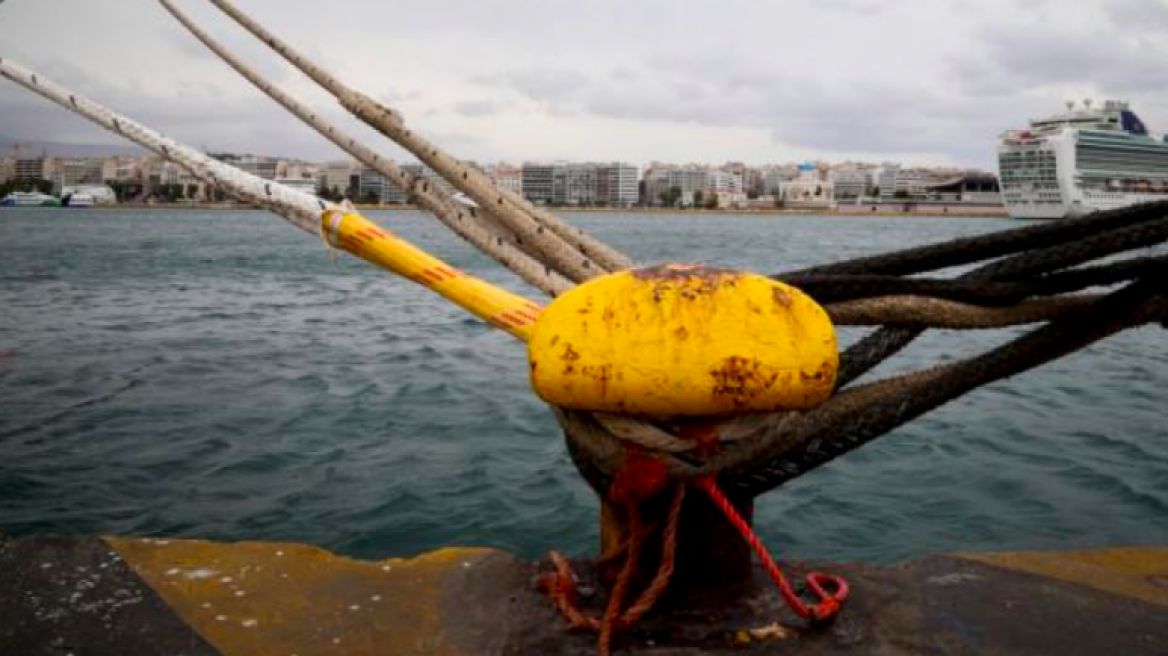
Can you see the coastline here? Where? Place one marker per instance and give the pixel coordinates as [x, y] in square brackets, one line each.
[934, 211]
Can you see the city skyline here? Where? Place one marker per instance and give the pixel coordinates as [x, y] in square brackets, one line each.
[920, 83]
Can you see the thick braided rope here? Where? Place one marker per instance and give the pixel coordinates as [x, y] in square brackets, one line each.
[813, 438]
[790, 444]
[973, 249]
[827, 289]
[301, 209]
[920, 311]
[568, 250]
[490, 239]
[1116, 232]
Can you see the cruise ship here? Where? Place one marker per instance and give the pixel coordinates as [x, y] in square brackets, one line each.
[1090, 158]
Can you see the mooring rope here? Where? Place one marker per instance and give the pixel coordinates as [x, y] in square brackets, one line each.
[567, 249]
[983, 247]
[492, 239]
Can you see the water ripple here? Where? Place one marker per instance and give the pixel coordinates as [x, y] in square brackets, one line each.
[220, 376]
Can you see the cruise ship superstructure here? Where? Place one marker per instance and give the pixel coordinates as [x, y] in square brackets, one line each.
[1091, 158]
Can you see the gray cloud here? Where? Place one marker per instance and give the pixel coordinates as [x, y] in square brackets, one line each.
[932, 79]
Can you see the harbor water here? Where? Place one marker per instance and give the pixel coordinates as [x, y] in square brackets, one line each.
[221, 375]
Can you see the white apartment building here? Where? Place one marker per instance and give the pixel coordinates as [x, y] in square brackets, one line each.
[850, 184]
[77, 171]
[373, 186]
[342, 177]
[617, 185]
[809, 190]
[896, 182]
[33, 168]
[539, 182]
[126, 170]
[262, 167]
[506, 176]
[656, 181]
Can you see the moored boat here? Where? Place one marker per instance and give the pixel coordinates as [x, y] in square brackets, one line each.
[29, 199]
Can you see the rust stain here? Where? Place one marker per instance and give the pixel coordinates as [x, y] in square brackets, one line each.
[739, 379]
[601, 374]
[782, 297]
[682, 272]
[689, 281]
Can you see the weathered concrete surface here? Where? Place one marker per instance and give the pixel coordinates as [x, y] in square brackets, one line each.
[167, 597]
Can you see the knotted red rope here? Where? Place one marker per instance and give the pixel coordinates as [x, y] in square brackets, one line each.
[640, 477]
[829, 602]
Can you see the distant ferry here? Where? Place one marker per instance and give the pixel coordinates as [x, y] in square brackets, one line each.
[29, 199]
[1085, 160]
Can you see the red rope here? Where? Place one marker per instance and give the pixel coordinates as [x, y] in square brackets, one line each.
[639, 478]
[829, 602]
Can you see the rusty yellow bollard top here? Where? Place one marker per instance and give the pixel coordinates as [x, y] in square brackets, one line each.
[683, 340]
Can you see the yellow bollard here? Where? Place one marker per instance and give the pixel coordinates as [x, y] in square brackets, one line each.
[682, 340]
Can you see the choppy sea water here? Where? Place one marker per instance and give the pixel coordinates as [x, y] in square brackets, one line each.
[220, 375]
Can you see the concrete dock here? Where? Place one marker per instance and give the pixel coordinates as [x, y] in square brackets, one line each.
[140, 596]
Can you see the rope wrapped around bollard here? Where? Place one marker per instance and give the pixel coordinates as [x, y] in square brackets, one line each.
[753, 453]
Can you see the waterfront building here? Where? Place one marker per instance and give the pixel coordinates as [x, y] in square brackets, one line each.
[263, 167]
[77, 171]
[850, 184]
[7, 169]
[580, 185]
[689, 180]
[31, 168]
[723, 182]
[123, 170]
[538, 182]
[506, 176]
[617, 184]
[164, 180]
[307, 185]
[297, 170]
[972, 187]
[656, 185]
[772, 182]
[899, 183]
[809, 190]
[752, 183]
[426, 173]
[373, 187]
[341, 178]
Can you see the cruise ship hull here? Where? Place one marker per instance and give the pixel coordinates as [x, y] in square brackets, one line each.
[1092, 202]
[1085, 161]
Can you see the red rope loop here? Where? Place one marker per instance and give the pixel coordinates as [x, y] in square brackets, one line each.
[829, 602]
[640, 477]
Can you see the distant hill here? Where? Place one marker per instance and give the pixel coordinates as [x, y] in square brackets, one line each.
[33, 148]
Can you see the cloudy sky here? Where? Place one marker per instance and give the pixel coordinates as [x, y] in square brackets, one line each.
[917, 81]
